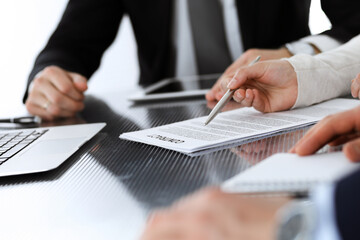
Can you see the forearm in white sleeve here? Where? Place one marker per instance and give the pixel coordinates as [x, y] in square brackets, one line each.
[327, 75]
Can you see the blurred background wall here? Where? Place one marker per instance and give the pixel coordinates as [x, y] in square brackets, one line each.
[25, 27]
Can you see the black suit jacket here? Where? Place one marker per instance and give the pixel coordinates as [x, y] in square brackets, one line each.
[87, 28]
[347, 205]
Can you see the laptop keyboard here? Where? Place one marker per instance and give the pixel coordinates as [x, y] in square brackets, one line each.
[13, 142]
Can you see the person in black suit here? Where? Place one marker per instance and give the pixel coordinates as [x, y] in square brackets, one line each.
[87, 28]
[333, 213]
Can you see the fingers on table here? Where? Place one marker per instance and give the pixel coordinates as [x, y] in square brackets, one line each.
[314, 139]
[62, 81]
[325, 132]
[39, 105]
[54, 95]
[61, 100]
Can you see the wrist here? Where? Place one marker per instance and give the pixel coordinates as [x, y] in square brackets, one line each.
[285, 52]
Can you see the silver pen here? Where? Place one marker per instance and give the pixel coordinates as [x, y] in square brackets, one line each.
[22, 120]
[226, 98]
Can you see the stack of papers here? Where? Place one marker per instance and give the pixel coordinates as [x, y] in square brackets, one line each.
[236, 126]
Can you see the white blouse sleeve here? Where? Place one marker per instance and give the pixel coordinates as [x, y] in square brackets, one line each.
[327, 75]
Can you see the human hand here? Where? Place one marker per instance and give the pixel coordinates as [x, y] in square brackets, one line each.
[213, 214]
[244, 60]
[56, 93]
[334, 130]
[355, 87]
[268, 86]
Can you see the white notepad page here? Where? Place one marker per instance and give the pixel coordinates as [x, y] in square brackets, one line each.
[235, 126]
[285, 172]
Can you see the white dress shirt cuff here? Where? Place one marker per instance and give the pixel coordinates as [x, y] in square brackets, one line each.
[322, 42]
[323, 199]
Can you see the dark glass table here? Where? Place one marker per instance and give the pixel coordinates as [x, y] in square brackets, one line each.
[107, 189]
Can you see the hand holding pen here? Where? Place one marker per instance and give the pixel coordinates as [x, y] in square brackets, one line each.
[227, 96]
[268, 86]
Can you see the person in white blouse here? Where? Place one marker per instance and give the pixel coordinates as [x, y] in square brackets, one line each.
[299, 81]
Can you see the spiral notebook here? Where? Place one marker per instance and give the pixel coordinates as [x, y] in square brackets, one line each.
[287, 172]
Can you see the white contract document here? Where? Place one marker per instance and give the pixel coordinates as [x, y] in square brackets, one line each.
[236, 126]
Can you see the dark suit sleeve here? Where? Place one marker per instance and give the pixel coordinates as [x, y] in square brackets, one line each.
[86, 29]
[347, 204]
[344, 17]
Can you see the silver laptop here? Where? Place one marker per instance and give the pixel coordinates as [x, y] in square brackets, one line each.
[41, 149]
